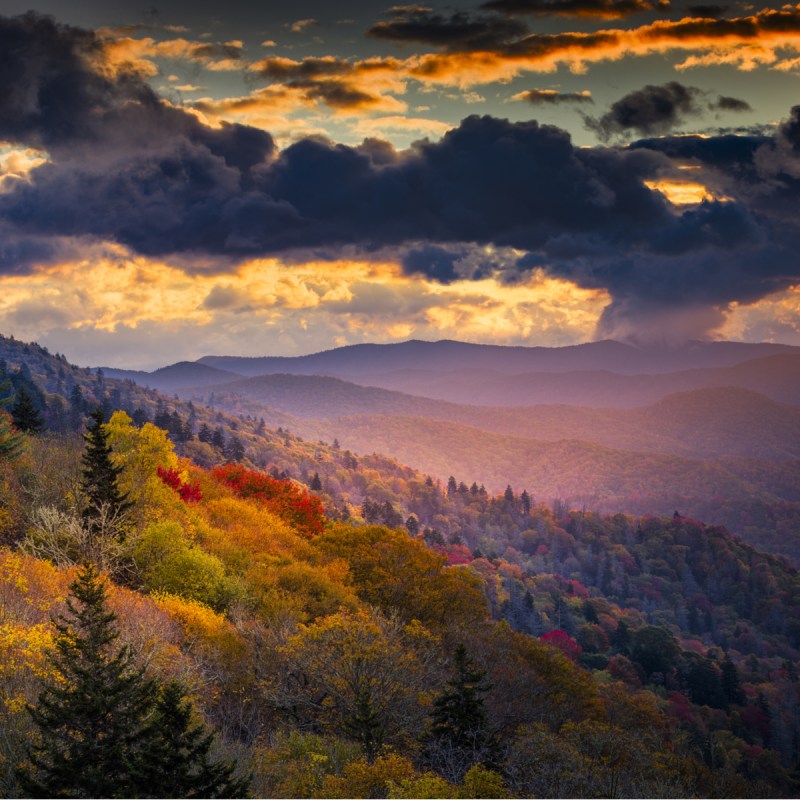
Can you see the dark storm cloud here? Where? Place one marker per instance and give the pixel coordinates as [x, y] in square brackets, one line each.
[539, 97]
[431, 261]
[658, 109]
[605, 9]
[707, 11]
[647, 111]
[126, 167]
[458, 32]
[724, 103]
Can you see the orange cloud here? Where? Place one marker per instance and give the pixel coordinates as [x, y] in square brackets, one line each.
[139, 55]
[770, 37]
[345, 86]
[744, 42]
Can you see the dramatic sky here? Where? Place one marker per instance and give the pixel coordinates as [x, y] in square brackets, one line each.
[192, 176]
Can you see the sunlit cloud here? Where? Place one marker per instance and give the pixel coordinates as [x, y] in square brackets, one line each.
[16, 164]
[140, 55]
[683, 193]
[384, 127]
[768, 38]
[772, 319]
[304, 307]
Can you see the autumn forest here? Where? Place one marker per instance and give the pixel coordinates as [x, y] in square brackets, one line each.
[299, 619]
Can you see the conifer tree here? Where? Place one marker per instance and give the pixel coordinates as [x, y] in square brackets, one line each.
[105, 729]
[176, 760]
[10, 440]
[459, 735]
[25, 414]
[100, 474]
[91, 718]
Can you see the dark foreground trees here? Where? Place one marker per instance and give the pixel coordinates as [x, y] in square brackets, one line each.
[459, 735]
[99, 477]
[105, 730]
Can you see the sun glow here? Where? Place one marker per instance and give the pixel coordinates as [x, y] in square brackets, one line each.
[683, 193]
[264, 305]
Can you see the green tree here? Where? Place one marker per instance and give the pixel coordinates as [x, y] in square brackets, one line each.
[100, 475]
[177, 758]
[105, 730]
[91, 717]
[459, 735]
[11, 442]
[25, 414]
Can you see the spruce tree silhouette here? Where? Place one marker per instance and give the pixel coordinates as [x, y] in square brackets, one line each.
[25, 414]
[99, 479]
[92, 718]
[105, 730]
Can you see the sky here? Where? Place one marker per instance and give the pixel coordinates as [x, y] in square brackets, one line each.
[188, 178]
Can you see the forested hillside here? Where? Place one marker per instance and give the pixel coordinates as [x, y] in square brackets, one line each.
[606, 655]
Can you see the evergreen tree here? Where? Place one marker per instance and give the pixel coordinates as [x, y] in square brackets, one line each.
[91, 717]
[100, 474]
[176, 759]
[234, 450]
[316, 483]
[107, 731]
[10, 441]
[730, 682]
[218, 439]
[459, 735]
[25, 414]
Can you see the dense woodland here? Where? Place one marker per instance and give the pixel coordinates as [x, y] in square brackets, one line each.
[351, 627]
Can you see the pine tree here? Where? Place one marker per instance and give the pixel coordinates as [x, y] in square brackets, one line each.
[25, 414]
[11, 442]
[176, 759]
[107, 731]
[91, 717]
[100, 474]
[459, 735]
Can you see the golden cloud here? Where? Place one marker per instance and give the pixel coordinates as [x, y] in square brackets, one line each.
[316, 303]
[769, 37]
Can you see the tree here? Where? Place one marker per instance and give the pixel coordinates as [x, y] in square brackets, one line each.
[459, 735]
[316, 483]
[177, 761]
[105, 729]
[10, 441]
[91, 718]
[359, 674]
[25, 414]
[100, 475]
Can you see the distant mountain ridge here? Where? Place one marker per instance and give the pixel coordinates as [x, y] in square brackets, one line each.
[362, 359]
[599, 374]
[776, 376]
[717, 421]
[175, 376]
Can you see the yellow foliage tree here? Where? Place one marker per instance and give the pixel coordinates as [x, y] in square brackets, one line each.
[140, 452]
[360, 674]
[401, 575]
